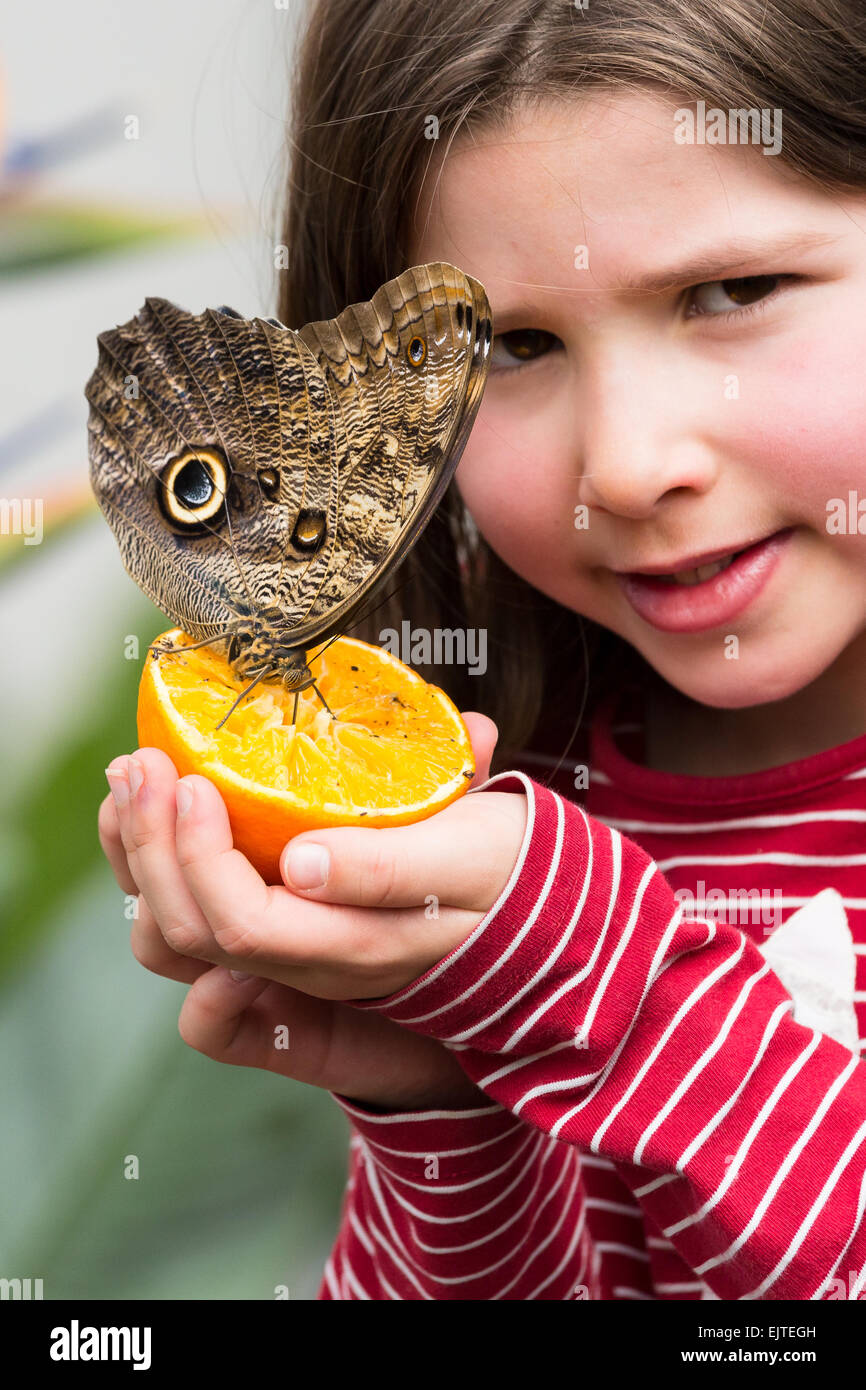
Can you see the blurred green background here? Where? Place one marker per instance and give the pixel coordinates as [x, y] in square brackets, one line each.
[241, 1172]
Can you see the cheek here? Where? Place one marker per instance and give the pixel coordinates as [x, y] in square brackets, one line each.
[516, 484]
[799, 426]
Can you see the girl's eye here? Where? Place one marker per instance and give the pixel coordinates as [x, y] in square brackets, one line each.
[521, 345]
[732, 296]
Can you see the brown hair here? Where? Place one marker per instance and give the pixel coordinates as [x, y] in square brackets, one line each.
[367, 75]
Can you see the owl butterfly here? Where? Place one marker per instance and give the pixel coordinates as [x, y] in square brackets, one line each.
[260, 481]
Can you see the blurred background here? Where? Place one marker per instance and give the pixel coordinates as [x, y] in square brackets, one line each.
[142, 152]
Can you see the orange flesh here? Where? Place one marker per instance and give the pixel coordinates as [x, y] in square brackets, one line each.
[397, 751]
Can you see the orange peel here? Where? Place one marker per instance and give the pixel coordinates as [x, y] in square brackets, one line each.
[397, 751]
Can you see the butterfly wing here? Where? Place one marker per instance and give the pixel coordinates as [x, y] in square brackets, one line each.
[169, 383]
[399, 427]
[327, 449]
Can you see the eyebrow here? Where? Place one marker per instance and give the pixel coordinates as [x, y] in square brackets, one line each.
[707, 263]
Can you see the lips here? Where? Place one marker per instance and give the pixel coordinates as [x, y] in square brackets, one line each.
[717, 590]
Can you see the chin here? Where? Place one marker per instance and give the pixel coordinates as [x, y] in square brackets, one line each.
[744, 683]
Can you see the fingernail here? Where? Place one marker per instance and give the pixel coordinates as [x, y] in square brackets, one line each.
[117, 781]
[183, 797]
[136, 777]
[239, 976]
[308, 865]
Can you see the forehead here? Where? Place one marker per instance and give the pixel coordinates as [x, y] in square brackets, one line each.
[602, 171]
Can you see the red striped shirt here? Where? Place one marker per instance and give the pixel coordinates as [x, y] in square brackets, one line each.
[656, 1122]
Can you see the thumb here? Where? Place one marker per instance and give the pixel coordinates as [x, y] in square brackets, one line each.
[483, 734]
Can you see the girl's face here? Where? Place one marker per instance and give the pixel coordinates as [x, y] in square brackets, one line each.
[678, 369]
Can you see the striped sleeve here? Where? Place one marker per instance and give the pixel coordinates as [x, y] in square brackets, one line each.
[590, 1011]
[459, 1204]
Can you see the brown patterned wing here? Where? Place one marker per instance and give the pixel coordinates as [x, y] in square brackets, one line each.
[405, 373]
[168, 384]
[249, 469]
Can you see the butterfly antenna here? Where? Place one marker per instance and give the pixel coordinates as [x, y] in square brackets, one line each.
[333, 639]
[363, 618]
[264, 671]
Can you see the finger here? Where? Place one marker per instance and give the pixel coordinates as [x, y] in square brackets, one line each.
[229, 892]
[148, 829]
[462, 856]
[483, 735]
[323, 949]
[218, 1019]
[112, 845]
[320, 1043]
[255, 1023]
[151, 950]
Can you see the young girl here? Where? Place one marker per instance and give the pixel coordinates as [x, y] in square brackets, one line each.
[592, 1074]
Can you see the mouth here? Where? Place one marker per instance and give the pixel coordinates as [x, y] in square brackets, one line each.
[709, 589]
[700, 573]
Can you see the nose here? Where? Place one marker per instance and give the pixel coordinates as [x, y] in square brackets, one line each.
[640, 429]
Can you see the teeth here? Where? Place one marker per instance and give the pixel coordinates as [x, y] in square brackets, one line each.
[697, 576]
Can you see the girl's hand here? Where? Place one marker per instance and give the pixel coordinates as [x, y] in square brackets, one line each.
[395, 902]
[252, 1022]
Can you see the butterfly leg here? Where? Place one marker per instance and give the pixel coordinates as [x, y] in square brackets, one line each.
[295, 709]
[264, 671]
[189, 646]
[324, 701]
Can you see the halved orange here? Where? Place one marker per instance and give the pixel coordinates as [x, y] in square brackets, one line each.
[396, 752]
